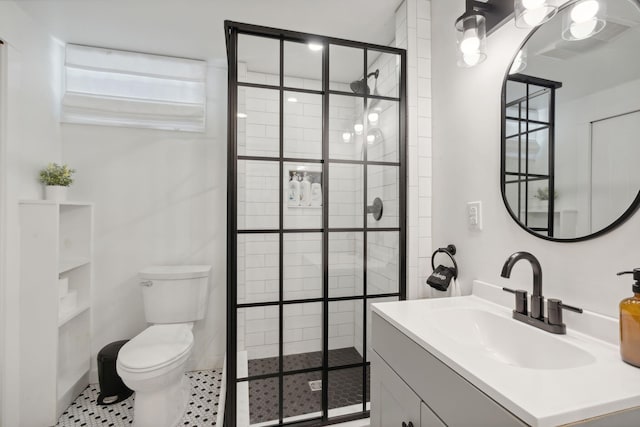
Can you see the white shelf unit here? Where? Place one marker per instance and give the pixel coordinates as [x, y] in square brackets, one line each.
[55, 242]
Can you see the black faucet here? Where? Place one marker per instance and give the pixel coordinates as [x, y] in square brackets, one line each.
[536, 317]
[537, 300]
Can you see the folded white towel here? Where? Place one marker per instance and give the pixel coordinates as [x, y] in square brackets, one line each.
[454, 288]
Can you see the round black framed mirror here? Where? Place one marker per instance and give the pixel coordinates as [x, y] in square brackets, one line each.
[571, 122]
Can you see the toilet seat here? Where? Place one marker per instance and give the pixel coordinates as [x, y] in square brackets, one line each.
[156, 347]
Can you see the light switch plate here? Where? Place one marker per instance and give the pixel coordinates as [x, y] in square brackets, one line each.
[474, 215]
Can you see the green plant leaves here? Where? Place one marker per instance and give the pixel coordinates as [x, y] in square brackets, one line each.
[55, 174]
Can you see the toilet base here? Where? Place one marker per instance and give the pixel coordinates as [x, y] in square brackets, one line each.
[161, 408]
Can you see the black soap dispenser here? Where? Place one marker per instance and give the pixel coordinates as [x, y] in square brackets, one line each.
[630, 323]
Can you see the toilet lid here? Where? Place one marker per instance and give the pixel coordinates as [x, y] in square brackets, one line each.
[155, 347]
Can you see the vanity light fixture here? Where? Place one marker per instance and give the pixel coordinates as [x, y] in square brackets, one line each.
[358, 127]
[586, 19]
[373, 117]
[292, 99]
[519, 62]
[346, 137]
[531, 13]
[472, 39]
[314, 46]
[242, 115]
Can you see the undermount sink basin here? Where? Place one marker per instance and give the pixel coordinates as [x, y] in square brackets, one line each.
[506, 340]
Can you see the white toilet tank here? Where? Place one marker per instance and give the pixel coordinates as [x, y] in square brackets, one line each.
[175, 293]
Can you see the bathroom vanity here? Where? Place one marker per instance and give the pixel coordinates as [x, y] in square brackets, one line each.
[465, 362]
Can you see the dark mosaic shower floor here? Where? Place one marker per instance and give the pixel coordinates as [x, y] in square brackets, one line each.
[345, 385]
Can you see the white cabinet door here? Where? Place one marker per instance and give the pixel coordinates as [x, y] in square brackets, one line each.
[428, 418]
[393, 403]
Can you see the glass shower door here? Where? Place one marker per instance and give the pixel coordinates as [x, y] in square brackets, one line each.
[316, 220]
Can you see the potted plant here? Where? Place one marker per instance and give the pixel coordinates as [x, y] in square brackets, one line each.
[542, 194]
[57, 179]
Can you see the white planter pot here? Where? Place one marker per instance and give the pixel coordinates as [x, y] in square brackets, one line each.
[56, 193]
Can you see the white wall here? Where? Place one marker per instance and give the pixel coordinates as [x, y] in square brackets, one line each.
[573, 145]
[160, 198]
[466, 163]
[31, 141]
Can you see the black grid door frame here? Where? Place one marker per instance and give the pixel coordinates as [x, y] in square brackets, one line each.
[541, 87]
[232, 31]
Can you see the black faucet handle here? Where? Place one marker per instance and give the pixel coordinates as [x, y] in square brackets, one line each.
[521, 299]
[555, 307]
[571, 308]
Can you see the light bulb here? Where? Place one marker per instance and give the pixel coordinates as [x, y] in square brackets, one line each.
[346, 136]
[471, 59]
[358, 127]
[582, 30]
[585, 11]
[532, 4]
[535, 17]
[315, 46]
[292, 99]
[470, 42]
[242, 115]
[471, 39]
[373, 117]
[371, 139]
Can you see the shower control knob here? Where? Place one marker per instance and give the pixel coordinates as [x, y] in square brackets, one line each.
[376, 208]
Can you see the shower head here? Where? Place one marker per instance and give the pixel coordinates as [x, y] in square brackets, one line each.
[360, 87]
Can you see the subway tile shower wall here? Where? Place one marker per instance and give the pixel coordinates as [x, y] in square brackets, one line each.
[413, 32]
[258, 205]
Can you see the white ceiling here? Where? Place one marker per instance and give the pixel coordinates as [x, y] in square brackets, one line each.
[194, 28]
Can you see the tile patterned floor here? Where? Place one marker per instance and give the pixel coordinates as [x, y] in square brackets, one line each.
[345, 385]
[294, 362]
[202, 408]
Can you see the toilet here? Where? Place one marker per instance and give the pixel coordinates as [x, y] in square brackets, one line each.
[153, 363]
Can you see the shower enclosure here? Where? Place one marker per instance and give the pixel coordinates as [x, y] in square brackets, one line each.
[316, 220]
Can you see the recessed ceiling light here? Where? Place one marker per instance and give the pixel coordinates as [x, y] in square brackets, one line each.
[242, 115]
[292, 99]
[314, 46]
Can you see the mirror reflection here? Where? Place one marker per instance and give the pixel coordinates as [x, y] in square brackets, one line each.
[571, 121]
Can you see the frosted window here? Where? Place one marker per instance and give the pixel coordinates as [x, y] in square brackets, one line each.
[119, 88]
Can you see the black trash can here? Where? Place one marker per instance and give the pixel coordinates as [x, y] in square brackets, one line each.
[112, 389]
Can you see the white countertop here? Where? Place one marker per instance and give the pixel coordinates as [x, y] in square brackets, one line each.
[539, 397]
